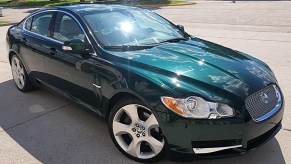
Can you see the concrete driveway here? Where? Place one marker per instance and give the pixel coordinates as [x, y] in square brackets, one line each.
[40, 127]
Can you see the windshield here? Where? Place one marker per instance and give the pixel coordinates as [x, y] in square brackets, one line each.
[130, 27]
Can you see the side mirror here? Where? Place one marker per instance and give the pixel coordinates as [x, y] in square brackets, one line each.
[75, 46]
[181, 27]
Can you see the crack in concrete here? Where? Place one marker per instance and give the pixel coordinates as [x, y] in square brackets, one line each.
[254, 35]
[34, 118]
[240, 24]
[289, 130]
[224, 43]
[3, 61]
[201, 36]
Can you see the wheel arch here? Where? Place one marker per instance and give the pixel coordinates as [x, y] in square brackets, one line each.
[13, 52]
[10, 54]
[117, 96]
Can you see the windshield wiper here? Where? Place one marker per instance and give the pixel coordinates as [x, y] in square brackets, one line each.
[128, 47]
[141, 47]
[173, 40]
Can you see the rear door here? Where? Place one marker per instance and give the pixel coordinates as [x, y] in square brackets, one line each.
[35, 43]
[71, 73]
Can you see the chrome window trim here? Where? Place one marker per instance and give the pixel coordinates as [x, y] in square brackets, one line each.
[24, 24]
[50, 38]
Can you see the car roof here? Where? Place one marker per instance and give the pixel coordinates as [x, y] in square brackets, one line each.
[83, 8]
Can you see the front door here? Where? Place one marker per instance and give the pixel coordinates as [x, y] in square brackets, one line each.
[71, 73]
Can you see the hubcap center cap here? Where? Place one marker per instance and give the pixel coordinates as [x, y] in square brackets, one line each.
[139, 130]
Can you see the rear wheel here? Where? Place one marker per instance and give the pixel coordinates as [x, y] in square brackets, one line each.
[19, 75]
[135, 131]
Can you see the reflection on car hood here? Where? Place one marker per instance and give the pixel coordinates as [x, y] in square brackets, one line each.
[201, 63]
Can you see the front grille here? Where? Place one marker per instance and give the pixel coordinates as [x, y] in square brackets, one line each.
[264, 103]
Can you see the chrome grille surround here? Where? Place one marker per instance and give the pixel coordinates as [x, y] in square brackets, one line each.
[264, 103]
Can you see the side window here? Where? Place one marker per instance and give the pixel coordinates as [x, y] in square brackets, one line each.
[66, 28]
[28, 23]
[41, 22]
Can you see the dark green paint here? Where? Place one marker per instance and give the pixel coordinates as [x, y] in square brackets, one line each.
[193, 67]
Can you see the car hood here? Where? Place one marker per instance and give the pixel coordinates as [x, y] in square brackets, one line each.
[197, 66]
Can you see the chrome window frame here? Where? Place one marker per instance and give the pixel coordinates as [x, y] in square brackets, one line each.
[24, 24]
[50, 38]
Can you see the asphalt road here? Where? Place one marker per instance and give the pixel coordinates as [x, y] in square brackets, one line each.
[40, 127]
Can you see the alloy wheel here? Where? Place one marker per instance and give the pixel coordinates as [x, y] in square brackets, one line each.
[137, 132]
[18, 72]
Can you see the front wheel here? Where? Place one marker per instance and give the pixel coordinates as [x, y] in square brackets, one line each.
[135, 131]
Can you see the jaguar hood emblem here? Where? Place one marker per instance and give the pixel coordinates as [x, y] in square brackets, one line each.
[265, 98]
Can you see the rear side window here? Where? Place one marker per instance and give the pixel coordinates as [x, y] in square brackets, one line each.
[28, 23]
[41, 22]
[66, 28]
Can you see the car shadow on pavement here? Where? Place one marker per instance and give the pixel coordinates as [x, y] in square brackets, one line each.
[53, 130]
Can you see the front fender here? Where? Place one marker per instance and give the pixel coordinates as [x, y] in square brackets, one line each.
[135, 82]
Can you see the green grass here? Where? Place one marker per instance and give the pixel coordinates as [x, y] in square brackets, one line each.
[4, 22]
[148, 2]
[31, 3]
[62, 3]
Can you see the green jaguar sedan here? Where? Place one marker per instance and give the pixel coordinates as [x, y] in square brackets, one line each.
[162, 90]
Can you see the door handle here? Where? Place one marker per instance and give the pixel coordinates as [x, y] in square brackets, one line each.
[23, 39]
[52, 51]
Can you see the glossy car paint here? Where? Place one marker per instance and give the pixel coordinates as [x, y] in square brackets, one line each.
[194, 67]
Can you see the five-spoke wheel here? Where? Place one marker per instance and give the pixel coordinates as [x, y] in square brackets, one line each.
[19, 74]
[135, 131]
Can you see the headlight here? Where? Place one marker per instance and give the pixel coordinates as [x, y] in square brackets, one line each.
[196, 107]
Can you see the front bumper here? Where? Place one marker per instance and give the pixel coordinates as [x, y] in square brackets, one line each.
[188, 138]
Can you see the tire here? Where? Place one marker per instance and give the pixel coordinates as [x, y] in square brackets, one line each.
[135, 131]
[19, 74]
